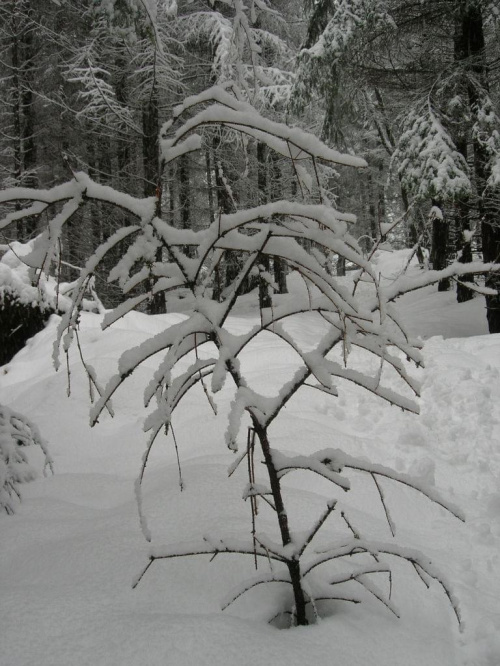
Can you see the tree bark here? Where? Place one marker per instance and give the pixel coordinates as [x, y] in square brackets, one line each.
[265, 300]
[292, 564]
[279, 266]
[22, 104]
[381, 207]
[472, 42]
[152, 176]
[439, 250]
[228, 268]
[463, 246]
[372, 211]
[462, 218]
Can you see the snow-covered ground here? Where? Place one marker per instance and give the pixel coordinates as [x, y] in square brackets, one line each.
[70, 553]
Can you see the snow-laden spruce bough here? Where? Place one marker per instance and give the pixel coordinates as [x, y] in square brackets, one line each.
[201, 350]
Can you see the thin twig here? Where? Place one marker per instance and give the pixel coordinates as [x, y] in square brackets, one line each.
[251, 479]
[390, 522]
[181, 481]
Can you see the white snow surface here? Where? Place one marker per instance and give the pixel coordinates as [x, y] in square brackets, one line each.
[69, 555]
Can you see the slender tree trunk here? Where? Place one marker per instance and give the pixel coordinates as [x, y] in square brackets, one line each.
[17, 123]
[279, 266]
[372, 211]
[172, 191]
[381, 208]
[462, 221]
[28, 112]
[265, 300]
[228, 269]
[152, 176]
[104, 151]
[24, 148]
[123, 142]
[210, 190]
[280, 273]
[96, 224]
[464, 247]
[341, 262]
[439, 250]
[413, 235]
[185, 192]
[28, 100]
[292, 564]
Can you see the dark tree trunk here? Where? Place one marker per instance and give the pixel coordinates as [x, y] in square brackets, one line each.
[152, 176]
[280, 268]
[22, 107]
[462, 221]
[17, 122]
[96, 223]
[292, 564]
[413, 235]
[265, 300]
[464, 247]
[28, 108]
[280, 273]
[123, 181]
[463, 236]
[372, 211]
[210, 190]
[471, 43]
[381, 208]
[439, 250]
[491, 252]
[184, 192]
[150, 146]
[123, 142]
[228, 268]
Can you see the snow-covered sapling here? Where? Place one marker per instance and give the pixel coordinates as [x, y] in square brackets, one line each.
[202, 350]
[16, 433]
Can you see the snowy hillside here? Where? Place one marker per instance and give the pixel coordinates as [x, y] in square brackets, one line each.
[69, 555]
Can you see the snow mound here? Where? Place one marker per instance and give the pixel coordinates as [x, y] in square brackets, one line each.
[69, 555]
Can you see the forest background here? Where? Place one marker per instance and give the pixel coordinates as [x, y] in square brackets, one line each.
[413, 88]
[408, 92]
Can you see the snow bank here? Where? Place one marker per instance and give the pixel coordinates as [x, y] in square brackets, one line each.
[68, 557]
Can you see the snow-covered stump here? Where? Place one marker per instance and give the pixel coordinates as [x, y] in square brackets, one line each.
[200, 350]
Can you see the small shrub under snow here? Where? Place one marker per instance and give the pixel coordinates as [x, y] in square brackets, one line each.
[16, 433]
